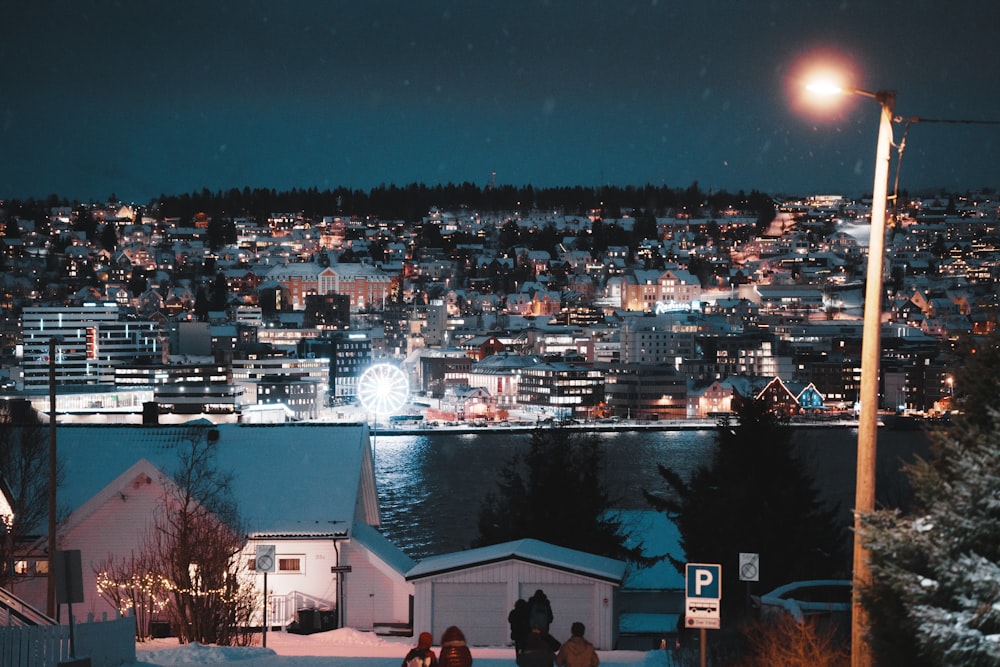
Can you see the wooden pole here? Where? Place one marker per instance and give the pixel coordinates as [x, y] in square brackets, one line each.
[51, 579]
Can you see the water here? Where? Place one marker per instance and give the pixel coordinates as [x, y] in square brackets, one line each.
[430, 486]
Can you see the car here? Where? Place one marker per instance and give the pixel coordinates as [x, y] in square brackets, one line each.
[808, 598]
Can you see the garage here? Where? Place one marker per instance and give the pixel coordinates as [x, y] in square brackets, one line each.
[570, 602]
[479, 609]
[476, 589]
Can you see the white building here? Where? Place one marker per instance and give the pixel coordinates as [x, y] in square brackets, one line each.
[476, 589]
[92, 340]
[307, 490]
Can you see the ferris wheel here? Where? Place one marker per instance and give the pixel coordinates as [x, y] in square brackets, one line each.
[383, 389]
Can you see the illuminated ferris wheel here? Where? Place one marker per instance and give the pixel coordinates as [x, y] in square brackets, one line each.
[383, 389]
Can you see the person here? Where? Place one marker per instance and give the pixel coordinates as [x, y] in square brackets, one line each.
[537, 651]
[421, 655]
[454, 651]
[540, 612]
[519, 628]
[577, 651]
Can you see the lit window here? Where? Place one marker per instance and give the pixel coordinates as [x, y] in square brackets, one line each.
[290, 564]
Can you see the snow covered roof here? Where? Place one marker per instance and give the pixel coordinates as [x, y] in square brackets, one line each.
[288, 479]
[527, 550]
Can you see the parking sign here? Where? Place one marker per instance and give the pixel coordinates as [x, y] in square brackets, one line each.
[703, 592]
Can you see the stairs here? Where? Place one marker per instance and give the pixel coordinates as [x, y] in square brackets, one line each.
[15, 611]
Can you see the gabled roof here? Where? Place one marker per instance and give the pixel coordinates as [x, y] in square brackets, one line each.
[140, 470]
[301, 480]
[380, 546]
[528, 551]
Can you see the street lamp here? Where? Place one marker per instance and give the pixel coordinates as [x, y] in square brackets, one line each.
[864, 489]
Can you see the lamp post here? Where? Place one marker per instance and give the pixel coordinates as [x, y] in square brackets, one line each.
[51, 605]
[864, 490]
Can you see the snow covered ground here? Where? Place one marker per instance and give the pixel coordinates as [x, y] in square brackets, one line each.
[341, 648]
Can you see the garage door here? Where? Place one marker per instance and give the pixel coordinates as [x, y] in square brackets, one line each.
[570, 602]
[478, 609]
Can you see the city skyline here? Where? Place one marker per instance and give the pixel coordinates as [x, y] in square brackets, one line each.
[149, 99]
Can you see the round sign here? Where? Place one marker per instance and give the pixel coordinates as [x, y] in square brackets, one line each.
[265, 563]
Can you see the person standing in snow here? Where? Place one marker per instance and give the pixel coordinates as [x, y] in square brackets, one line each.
[519, 628]
[537, 651]
[454, 651]
[577, 651]
[540, 612]
[421, 655]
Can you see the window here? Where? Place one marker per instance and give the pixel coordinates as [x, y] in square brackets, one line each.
[290, 564]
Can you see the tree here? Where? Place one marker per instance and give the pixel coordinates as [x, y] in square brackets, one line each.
[783, 641]
[24, 467]
[935, 592]
[198, 542]
[109, 237]
[554, 493]
[753, 497]
[220, 293]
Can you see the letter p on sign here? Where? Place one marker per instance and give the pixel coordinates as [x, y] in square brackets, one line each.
[704, 581]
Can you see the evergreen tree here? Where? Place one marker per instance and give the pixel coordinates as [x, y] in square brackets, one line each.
[554, 493]
[753, 497]
[935, 592]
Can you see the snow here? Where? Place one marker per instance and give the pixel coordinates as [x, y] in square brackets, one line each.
[340, 648]
[658, 536]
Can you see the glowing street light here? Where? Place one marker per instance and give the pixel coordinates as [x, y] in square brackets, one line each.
[864, 490]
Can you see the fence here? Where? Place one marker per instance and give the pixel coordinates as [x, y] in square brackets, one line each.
[106, 643]
[282, 609]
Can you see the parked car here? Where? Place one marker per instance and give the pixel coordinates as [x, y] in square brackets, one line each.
[807, 598]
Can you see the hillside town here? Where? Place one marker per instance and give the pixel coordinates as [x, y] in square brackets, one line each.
[532, 314]
[157, 335]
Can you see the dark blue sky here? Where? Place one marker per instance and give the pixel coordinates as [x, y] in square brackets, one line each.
[149, 97]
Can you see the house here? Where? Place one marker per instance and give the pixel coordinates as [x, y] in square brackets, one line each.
[476, 589]
[810, 399]
[308, 490]
[779, 398]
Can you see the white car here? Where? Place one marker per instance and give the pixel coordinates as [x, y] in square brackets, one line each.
[808, 598]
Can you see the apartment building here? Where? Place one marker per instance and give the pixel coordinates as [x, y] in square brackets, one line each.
[92, 340]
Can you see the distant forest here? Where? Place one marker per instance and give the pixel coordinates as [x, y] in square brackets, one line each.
[412, 202]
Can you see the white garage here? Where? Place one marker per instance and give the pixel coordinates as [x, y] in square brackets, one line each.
[476, 589]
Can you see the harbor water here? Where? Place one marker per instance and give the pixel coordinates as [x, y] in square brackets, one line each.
[431, 485]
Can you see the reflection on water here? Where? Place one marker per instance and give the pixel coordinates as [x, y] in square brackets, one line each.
[431, 486]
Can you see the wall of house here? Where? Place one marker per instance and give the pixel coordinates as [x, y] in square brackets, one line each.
[375, 594]
[302, 577]
[490, 591]
[111, 525]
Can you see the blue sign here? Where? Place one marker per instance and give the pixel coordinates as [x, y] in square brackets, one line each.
[703, 581]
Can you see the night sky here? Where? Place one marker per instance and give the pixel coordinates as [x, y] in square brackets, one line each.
[137, 98]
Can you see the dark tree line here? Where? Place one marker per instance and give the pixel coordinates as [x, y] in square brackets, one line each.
[411, 202]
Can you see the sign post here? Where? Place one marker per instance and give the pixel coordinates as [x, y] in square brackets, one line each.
[749, 571]
[265, 563]
[702, 595]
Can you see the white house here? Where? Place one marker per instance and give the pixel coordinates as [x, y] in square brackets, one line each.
[476, 589]
[307, 489]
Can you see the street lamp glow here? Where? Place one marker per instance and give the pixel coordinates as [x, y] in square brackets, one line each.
[825, 88]
[864, 490]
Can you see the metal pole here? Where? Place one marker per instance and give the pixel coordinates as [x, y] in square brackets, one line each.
[265, 609]
[864, 499]
[703, 653]
[51, 579]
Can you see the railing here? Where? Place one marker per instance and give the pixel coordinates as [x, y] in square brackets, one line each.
[105, 643]
[14, 611]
